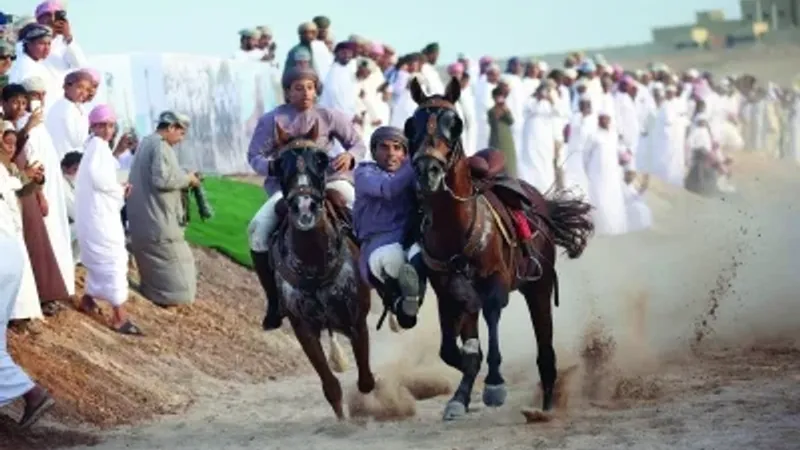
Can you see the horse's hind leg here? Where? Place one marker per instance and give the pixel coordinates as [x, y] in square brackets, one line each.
[538, 296]
[310, 341]
[495, 298]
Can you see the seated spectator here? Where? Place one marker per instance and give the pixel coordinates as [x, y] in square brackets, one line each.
[69, 168]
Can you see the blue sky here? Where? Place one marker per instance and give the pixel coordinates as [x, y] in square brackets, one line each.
[505, 28]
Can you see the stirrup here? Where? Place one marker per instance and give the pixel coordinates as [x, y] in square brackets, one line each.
[537, 274]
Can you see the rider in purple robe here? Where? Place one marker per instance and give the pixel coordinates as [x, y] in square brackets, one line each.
[299, 114]
[385, 204]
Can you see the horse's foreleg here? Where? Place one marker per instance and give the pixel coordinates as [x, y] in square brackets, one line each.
[310, 341]
[360, 341]
[495, 296]
[537, 295]
[471, 358]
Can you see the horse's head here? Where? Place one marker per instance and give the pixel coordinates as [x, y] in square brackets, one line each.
[300, 168]
[434, 136]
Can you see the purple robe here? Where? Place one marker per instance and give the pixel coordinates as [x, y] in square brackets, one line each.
[384, 203]
[332, 125]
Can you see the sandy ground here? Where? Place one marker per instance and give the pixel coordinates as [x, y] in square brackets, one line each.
[685, 336]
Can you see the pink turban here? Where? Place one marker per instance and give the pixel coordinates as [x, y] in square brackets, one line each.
[455, 69]
[48, 7]
[485, 60]
[102, 114]
[376, 48]
[94, 74]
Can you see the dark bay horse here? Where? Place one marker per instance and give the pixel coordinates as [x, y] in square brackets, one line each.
[471, 244]
[316, 262]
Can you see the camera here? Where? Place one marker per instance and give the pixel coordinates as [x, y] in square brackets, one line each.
[61, 15]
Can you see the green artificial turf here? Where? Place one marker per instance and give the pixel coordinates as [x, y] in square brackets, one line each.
[234, 203]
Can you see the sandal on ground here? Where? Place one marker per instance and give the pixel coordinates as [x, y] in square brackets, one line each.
[128, 328]
[32, 415]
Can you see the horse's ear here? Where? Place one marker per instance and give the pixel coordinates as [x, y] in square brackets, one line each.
[416, 91]
[453, 91]
[313, 133]
[281, 136]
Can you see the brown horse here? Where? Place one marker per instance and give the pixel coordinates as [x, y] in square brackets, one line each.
[316, 262]
[471, 246]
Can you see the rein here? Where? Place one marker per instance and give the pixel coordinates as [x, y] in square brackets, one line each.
[308, 280]
[295, 274]
[476, 230]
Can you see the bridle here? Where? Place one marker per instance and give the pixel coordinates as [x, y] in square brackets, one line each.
[302, 169]
[297, 275]
[460, 262]
[428, 142]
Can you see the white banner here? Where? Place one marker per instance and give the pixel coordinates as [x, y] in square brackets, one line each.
[224, 99]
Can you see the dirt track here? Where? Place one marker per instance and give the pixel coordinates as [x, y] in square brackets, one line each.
[685, 337]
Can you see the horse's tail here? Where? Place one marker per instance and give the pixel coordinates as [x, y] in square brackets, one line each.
[571, 223]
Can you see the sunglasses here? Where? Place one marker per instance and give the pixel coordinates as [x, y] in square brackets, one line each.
[9, 57]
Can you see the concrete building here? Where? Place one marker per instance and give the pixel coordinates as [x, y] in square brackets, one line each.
[712, 30]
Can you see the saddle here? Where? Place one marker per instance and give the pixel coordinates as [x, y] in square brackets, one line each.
[488, 171]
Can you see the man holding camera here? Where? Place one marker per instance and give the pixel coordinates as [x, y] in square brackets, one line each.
[65, 54]
[157, 215]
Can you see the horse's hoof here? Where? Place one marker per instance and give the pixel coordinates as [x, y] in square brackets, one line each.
[494, 395]
[454, 410]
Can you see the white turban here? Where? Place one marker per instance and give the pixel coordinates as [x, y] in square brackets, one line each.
[34, 84]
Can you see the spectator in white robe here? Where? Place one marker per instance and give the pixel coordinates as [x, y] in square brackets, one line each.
[340, 89]
[39, 147]
[666, 158]
[14, 382]
[403, 105]
[532, 78]
[484, 102]
[582, 127]
[14, 184]
[65, 53]
[470, 68]
[99, 198]
[69, 169]
[31, 63]
[323, 57]
[248, 51]
[602, 161]
[543, 136]
[627, 124]
[66, 122]
[434, 83]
